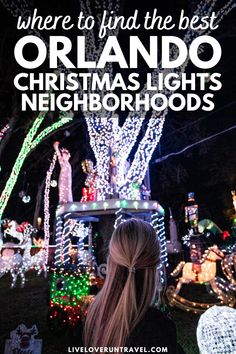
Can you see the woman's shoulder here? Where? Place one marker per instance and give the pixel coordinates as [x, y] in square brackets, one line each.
[155, 329]
[155, 318]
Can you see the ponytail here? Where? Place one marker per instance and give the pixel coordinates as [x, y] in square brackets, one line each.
[129, 287]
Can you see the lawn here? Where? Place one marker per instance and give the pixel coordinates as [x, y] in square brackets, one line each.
[30, 306]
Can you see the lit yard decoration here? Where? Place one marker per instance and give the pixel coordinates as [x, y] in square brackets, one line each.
[72, 280]
[216, 331]
[23, 341]
[31, 141]
[116, 209]
[65, 177]
[15, 258]
[229, 269]
[89, 192]
[69, 298]
[205, 273]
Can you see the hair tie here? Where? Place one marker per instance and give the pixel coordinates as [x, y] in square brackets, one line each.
[132, 269]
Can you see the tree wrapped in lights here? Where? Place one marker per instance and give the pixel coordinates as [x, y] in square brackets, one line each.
[31, 141]
[107, 135]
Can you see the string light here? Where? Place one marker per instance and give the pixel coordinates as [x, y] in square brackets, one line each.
[69, 294]
[65, 245]
[122, 139]
[157, 221]
[65, 177]
[229, 268]
[205, 275]
[48, 183]
[29, 143]
[18, 264]
[89, 193]
[59, 232]
[216, 331]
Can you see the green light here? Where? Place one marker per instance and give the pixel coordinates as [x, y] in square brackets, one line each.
[67, 290]
[124, 203]
[29, 143]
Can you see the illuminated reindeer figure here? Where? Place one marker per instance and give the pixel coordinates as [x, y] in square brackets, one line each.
[12, 261]
[204, 274]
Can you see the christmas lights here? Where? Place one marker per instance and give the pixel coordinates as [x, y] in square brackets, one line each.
[69, 298]
[89, 193]
[48, 183]
[82, 232]
[205, 274]
[29, 143]
[100, 129]
[67, 289]
[15, 263]
[229, 268]
[63, 231]
[216, 330]
[157, 221]
[65, 245]
[187, 305]
[65, 177]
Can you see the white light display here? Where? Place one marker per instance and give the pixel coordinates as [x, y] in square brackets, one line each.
[105, 132]
[205, 273]
[216, 331]
[65, 177]
[48, 183]
[15, 263]
[159, 226]
[59, 232]
[229, 269]
[81, 231]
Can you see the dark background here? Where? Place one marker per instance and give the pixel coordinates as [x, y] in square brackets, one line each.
[207, 169]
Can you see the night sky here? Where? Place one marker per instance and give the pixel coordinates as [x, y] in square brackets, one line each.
[207, 169]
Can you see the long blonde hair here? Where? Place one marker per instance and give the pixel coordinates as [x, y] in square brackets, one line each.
[129, 287]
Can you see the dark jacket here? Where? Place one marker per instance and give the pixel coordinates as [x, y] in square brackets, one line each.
[155, 330]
